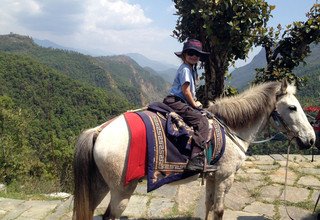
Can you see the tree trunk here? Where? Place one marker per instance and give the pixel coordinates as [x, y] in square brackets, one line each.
[214, 80]
[210, 81]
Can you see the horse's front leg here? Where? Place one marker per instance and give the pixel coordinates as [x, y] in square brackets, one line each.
[216, 189]
[221, 189]
[210, 188]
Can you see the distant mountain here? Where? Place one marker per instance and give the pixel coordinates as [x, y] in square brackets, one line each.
[118, 75]
[311, 62]
[131, 77]
[50, 44]
[168, 74]
[242, 76]
[146, 62]
[156, 67]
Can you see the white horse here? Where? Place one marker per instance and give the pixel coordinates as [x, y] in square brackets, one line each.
[101, 156]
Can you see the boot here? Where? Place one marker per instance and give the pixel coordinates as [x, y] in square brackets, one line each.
[197, 163]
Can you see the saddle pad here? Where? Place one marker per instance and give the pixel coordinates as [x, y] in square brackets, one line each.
[217, 144]
[137, 148]
[166, 163]
[151, 152]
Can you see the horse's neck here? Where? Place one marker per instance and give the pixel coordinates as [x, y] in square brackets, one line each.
[249, 134]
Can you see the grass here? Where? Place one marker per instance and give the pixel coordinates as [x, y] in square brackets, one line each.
[242, 179]
[276, 215]
[30, 189]
[276, 163]
[267, 180]
[176, 213]
[308, 204]
[255, 193]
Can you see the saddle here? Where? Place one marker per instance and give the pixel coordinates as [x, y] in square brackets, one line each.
[168, 145]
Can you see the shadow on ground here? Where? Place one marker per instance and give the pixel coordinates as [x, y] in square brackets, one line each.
[174, 218]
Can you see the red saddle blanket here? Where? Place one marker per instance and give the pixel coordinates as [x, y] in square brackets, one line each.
[136, 167]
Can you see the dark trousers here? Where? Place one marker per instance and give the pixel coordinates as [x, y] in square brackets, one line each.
[193, 118]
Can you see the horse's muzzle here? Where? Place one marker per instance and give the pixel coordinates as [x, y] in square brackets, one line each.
[304, 145]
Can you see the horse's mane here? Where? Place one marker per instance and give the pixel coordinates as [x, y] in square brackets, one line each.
[245, 108]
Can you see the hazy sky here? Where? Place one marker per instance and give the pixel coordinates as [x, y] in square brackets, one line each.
[115, 26]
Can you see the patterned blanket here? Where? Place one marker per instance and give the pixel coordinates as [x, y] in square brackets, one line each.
[167, 153]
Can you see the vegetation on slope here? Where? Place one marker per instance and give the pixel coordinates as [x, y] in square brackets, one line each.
[41, 114]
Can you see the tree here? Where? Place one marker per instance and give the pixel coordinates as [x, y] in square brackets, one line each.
[227, 29]
[283, 55]
[17, 160]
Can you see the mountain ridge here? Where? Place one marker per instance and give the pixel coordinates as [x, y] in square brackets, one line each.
[242, 76]
[91, 70]
[146, 62]
[156, 67]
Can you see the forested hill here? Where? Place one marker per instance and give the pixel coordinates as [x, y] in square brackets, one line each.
[133, 80]
[310, 93]
[41, 114]
[48, 96]
[119, 75]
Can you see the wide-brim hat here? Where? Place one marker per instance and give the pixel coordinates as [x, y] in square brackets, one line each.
[193, 44]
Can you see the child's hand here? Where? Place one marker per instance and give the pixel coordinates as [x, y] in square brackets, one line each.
[198, 105]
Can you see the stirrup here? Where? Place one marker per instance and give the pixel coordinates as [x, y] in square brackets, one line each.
[208, 168]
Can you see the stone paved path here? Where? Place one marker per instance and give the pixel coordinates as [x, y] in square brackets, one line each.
[258, 193]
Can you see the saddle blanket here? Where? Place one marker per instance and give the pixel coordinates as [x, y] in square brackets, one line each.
[161, 157]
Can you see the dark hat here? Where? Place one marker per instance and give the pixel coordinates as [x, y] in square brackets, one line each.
[193, 44]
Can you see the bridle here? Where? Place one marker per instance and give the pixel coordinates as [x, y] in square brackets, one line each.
[279, 122]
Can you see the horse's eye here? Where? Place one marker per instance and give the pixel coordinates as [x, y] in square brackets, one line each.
[293, 108]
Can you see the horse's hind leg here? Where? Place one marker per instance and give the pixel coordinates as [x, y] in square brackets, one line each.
[99, 189]
[119, 200]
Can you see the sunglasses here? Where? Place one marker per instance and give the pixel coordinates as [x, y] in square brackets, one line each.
[193, 53]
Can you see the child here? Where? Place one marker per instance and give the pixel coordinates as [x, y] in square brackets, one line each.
[182, 100]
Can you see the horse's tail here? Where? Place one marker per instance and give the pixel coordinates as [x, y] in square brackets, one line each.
[83, 168]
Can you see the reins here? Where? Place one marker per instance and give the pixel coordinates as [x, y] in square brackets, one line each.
[315, 206]
[285, 185]
[285, 181]
[232, 134]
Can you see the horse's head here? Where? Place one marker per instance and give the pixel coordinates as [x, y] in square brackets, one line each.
[292, 117]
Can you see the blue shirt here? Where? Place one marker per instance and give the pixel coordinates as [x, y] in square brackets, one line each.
[184, 74]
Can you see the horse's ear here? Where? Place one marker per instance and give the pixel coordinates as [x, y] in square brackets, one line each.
[210, 103]
[283, 89]
[284, 85]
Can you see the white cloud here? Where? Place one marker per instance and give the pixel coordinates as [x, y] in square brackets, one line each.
[11, 9]
[120, 27]
[114, 15]
[114, 26]
[22, 6]
[55, 16]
